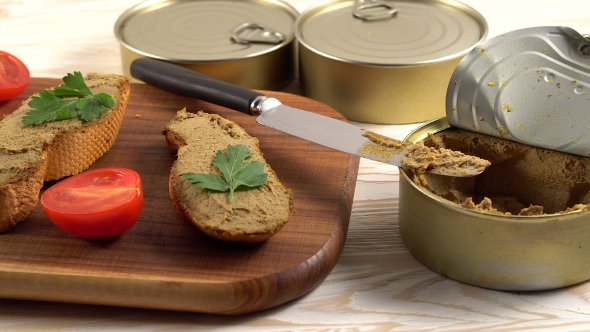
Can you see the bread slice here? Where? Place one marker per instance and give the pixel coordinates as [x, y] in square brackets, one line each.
[255, 214]
[30, 155]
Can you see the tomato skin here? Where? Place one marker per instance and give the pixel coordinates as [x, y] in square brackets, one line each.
[100, 203]
[14, 76]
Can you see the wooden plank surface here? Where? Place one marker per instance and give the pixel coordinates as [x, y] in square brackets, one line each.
[376, 285]
[164, 262]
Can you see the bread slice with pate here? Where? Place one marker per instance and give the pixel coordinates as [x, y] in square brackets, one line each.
[255, 214]
[32, 154]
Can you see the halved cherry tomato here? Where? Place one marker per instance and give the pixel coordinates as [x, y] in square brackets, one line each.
[14, 76]
[100, 203]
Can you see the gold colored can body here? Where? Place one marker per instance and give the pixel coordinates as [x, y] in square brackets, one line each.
[512, 253]
[386, 95]
[198, 35]
[393, 70]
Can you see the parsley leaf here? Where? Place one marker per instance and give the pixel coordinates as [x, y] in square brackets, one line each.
[236, 171]
[70, 100]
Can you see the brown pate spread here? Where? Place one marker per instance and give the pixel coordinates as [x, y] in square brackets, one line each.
[522, 180]
[21, 145]
[256, 210]
[423, 158]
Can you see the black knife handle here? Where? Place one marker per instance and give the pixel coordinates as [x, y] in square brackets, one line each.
[189, 83]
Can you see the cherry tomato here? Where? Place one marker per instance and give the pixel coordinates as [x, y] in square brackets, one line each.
[14, 76]
[100, 203]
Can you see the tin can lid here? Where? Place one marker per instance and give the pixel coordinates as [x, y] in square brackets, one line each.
[530, 85]
[206, 30]
[391, 32]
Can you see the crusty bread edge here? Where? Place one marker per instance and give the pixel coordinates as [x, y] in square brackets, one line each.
[21, 196]
[216, 234]
[109, 123]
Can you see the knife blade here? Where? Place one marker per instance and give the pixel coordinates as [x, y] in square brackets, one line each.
[316, 128]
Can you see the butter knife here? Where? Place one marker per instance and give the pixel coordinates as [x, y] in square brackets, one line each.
[319, 129]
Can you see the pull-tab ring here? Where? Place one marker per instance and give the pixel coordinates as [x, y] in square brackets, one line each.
[257, 34]
[373, 10]
[584, 49]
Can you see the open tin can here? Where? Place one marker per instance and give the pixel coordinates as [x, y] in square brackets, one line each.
[250, 43]
[518, 100]
[382, 61]
[503, 252]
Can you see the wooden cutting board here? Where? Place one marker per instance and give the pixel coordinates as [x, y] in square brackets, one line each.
[164, 262]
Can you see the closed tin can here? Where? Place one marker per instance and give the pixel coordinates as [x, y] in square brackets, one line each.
[496, 251]
[383, 61]
[250, 43]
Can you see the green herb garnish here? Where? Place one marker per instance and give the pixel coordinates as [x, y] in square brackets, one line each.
[236, 171]
[70, 100]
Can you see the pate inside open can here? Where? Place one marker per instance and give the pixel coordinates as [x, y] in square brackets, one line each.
[521, 225]
[249, 43]
[384, 61]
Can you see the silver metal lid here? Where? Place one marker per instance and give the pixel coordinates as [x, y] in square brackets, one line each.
[391, 32]
[206, 30]
[530, 85]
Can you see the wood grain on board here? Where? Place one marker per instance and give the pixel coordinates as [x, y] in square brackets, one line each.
[164, 262]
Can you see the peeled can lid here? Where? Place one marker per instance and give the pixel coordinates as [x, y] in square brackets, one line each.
[391, 32]
[206, 30]
[531, 86]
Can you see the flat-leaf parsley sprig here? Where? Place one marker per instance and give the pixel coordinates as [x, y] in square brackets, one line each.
[70, 100]
[236, 171]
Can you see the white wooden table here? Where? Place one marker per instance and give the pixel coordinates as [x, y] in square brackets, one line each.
[376, 285]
